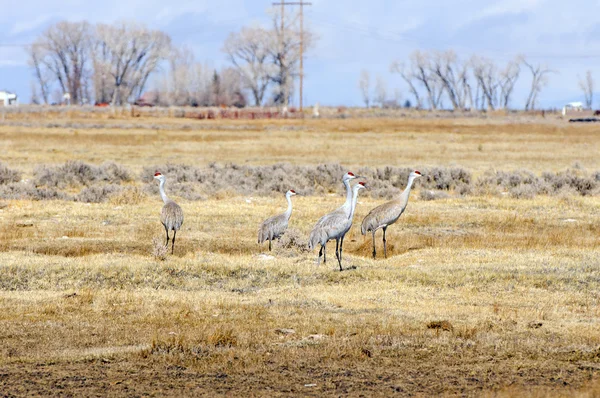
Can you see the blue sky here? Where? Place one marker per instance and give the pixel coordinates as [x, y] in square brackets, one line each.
[354, 35]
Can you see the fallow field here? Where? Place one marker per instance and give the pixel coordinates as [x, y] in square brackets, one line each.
[491, 286]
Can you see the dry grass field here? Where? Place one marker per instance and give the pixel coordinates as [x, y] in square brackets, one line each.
[486, 295]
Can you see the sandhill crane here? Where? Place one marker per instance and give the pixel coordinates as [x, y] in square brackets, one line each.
[335, 225]
[171, 215]
[388, 213]
[273, 227]
[345, 209]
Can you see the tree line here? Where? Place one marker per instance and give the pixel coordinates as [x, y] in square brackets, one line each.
[478, 82]
[117, 63]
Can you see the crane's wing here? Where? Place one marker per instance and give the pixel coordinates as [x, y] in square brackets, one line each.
[328, 227]
[272, 227]
[384, 214]
[171, 216]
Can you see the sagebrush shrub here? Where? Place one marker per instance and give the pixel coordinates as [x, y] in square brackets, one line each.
[98, 193]
[293, 239]
[27, 191]
[427, 194]
[76, 173]
[8, 175]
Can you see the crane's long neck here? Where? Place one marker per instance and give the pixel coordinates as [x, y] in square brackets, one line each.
[347, 207]
[163, 195]
[354, 201]
[404, 196]
[288, 212]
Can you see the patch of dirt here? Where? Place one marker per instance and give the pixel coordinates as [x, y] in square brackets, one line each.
[374, 376]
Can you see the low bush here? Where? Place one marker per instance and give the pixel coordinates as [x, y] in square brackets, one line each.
[427, 194]
[98, 193]
[293, 240]
[75, 173]
[27, 191]
[8, 175]
[524, 184]
[106, 182]
[127, 196]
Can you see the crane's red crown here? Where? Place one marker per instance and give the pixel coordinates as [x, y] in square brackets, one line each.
[292, 191]
[361, 183]
[157, 174]
[417, 172]
[351, 174]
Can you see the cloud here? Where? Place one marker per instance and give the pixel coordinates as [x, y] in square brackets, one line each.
[28, 25]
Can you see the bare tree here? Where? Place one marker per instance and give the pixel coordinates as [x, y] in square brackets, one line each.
[42, 75]
[201, 84]
[133, 53]
[232, 88]
[248, 51]
[364, 84]
[587, 86]
[485, 73]
[496, 86]
[284, 50]
[60, 55]
[453, 75]
[181, 63]
[101, 64]
[410, 79]
[508, 78]
[539, 79]
[380, 91]
[422, 70]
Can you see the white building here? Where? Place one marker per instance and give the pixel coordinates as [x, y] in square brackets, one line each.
[575, 106]
[8, 99]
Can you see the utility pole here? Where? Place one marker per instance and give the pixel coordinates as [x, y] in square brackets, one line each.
[301, 4]
[282, 46]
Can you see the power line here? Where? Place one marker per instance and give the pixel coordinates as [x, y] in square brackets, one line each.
[401, 38]
[8, 45]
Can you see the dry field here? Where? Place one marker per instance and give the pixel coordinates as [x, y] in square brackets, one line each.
[480, 295]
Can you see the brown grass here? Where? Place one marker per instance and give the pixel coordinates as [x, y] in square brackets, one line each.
[481, 295]
[473, 143]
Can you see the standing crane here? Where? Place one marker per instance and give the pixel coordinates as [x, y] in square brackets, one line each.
[335, 225]
[344, 209]
[273, 227]
[171, 215]
[388, 213]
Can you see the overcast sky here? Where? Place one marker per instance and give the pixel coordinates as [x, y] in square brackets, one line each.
[354, 35]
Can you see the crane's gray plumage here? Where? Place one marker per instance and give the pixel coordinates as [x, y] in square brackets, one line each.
[334, 225]
[344, 209]
[171, 215]
[388, 213]
[274, 227]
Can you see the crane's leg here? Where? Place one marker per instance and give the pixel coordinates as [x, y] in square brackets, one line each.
[167, 231]
[173, 242]
[374, 251]
[320, 254]
[341, 246]
[269, 244]
[337, 249]
[325, 253]
[384, 247]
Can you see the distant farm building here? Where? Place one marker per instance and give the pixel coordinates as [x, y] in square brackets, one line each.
[149, 98]
[8, 99]
[572, 106]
